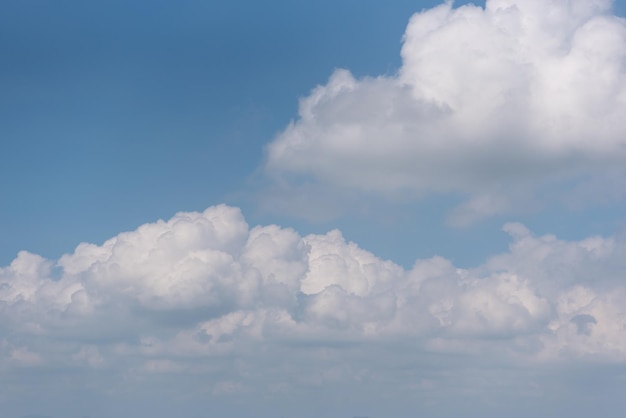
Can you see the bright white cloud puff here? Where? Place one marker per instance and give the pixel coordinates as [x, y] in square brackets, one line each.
[495, 103]
[206, 286]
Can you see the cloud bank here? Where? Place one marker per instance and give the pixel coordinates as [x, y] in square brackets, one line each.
[500, 104]
[263, 309]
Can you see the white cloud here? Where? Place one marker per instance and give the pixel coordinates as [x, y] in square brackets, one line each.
[494, 103]
[205, 294]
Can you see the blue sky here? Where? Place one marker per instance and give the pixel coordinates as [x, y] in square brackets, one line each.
[312, 209]
[121, 114]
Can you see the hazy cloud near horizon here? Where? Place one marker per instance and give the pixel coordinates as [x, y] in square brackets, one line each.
[513, 105]
[204, 293]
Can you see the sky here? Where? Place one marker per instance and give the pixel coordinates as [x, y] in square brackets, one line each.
[312, 209]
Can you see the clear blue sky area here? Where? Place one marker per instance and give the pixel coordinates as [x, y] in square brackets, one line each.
[117, 113]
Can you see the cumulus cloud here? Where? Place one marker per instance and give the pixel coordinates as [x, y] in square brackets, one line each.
[497, 104]
[265, 309]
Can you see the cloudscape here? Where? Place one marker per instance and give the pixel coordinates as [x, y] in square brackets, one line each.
[194, 269]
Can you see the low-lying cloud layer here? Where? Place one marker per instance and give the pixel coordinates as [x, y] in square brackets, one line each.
[501, 104]
[203, 293]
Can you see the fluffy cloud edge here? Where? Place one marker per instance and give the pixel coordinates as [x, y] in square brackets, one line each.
[204, 285]
[496, 103]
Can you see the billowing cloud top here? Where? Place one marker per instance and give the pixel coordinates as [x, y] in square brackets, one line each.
[203, 289]
[490, 102]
